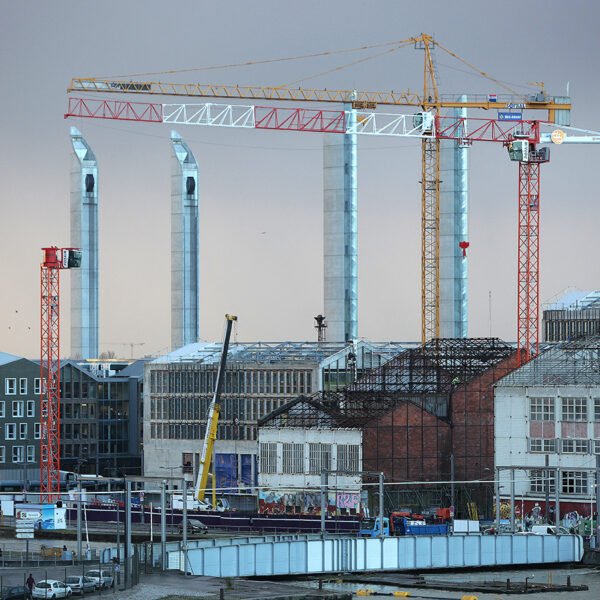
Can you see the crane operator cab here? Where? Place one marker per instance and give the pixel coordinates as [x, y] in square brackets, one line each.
[423, 121]
[522, 150]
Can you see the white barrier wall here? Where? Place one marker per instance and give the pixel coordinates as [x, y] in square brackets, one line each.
[297, 557]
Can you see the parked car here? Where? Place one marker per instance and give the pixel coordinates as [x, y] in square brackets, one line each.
[50, 589]
[102, 579]
[13, 593]
[80, 584]
[549, 530]
[194, 526]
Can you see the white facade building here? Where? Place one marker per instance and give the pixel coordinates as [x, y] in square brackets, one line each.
[292, 460]
[547, 423]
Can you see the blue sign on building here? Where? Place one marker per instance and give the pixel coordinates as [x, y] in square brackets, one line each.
[510, 116]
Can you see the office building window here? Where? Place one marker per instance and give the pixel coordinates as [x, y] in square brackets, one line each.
[37, 386]
[542, 481]
[542, 445]
[30, 408]
[596, 446]
[574, 482]
[11, 431]
[596, 409]
[574, 409]
[2, 454]
[268, 458]
[2, 408]
[10, 386]
[22, 431]
[293, 458]
[541, 409]
[30, 453]
[37, 431]
[23, 385]
[18, 408]
[575, 446]
[18, 454]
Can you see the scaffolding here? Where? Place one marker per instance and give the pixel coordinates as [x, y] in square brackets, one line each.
[569, 363]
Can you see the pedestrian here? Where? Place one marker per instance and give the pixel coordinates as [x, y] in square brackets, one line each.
[30, 583]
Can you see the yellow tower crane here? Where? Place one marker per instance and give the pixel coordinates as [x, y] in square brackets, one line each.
[429, 100]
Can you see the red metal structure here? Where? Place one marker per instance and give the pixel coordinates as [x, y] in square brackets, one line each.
[528, 282]
[54, 260]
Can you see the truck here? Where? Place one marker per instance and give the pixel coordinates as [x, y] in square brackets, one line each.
[372, 528]
[403, 523]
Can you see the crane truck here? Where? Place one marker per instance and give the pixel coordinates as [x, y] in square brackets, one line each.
[198, 502]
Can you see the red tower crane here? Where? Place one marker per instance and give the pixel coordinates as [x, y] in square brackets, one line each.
[54, 260]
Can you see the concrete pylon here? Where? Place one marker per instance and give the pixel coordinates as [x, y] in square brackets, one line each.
[454, 207]
[84, 235]
[185, 245]
[340, 237]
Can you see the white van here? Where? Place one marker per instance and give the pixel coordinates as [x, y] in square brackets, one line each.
[549, 530]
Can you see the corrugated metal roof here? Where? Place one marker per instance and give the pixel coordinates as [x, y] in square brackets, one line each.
[577, 300]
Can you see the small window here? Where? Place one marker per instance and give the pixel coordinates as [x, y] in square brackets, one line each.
[268, 458]
[543, 481]
[10, 386]
[23, 386]
[575, 446]
[542, 445]
[37, 386]
[30, 454]
[541, 409]
[18, 407]
[574, 409]
[11, 431]
[574, 482]
[18, 454]
[2, 408]
[597, 409]
[37, 431]
[596, 446]
[30, 408]
[2, 454]
[22, 431]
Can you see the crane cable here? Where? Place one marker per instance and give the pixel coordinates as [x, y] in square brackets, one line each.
[258, 62]
[481, 72]
[361, 60]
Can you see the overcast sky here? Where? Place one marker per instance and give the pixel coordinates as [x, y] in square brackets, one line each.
[257, 181]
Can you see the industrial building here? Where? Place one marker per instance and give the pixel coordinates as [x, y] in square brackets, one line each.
[548, 428]
[574, 315]
[427, 415]
[260, 378]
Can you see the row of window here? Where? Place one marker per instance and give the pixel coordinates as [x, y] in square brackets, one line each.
[196, 409]
[295, 459]
[234, 382]
[10, 386]
[565, 446]
[11, 430]
[18, 408]
[18, 454]
[571, 482]
[195, 431]
[572, 409]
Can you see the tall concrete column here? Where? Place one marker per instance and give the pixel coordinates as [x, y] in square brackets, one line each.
[454, 206]
[84, 235]
[340, 238]
[185, 245]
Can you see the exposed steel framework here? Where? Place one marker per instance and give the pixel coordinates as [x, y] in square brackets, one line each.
[54, 260]
[528, 282]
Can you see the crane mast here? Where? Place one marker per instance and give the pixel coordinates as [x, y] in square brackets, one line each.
[213, 417]
[55, 259]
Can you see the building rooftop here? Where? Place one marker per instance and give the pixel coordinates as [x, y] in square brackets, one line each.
[268, 352]
[575, 362]
[6, 358]
[424, 376]
[577, 300]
